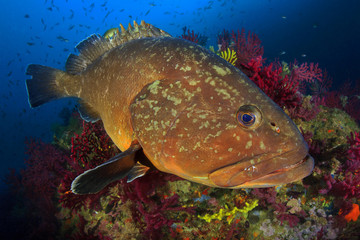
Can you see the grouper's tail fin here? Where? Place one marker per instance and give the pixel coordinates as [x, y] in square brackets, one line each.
[48, 84]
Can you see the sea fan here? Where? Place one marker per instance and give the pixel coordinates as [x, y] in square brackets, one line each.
[229, 55]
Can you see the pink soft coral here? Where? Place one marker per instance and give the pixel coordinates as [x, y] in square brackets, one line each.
[190, 35]
[282, 89]
[306, 72]
[90, 149]
[247, 46]
[268, 196]
[146, 208]
[36, 186]
[347, 186]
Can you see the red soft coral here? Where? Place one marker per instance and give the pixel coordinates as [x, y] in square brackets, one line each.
[353, 163]
[90, 149]
[44, 168]
[348, 186]
[267, 196]
[190, 36]
[281, 89]
[36, 187]
[247, 46]
[147, 211]
[352, 107]
[306, 72]
[94, 147]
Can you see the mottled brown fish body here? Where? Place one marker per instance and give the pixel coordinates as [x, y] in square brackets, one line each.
[191, 128]
[193, 113]
[111, 83]
[185, 120]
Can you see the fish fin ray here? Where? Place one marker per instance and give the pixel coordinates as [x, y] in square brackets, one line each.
[94, 180]
[137, 171]
[95, 46]
[43, 87]
[75, 64]
[89, 50]
[87, 112]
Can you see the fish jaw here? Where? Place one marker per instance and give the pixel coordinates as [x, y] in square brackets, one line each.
[282, 176]
[265, 170]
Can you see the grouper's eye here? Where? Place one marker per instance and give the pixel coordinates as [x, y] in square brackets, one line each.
[247, 119]
[249, 116]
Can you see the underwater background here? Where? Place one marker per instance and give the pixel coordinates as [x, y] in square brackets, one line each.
[317, 39]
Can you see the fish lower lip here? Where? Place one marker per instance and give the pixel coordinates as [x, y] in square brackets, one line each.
[243, 174]
[285, 175]
[287, 168]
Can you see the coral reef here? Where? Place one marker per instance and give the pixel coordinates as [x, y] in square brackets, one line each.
[65, 131]
[193, 37]
[247, 46]
[283, 89]
[190, 36]
[324, 205]
[229, 55]
[35, 189]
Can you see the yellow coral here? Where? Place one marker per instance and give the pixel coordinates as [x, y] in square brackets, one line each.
[285, 69]
[211, 48]
[229, 55]
[230, 214]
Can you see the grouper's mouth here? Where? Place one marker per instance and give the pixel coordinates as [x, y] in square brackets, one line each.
[278, 170]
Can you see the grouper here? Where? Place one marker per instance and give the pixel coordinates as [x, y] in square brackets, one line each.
[192, 113]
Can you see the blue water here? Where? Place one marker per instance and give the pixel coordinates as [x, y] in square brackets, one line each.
[33, 31]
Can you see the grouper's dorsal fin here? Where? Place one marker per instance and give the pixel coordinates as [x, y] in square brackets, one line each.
[138, 31]
[95, 46]
[89, 50]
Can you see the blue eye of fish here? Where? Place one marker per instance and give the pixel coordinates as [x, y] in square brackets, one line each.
[249, 117]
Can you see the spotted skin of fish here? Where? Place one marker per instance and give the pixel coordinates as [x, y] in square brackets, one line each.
[181, 103]
[192, 129]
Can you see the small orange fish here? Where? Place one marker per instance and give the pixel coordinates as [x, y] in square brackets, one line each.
[191, 112]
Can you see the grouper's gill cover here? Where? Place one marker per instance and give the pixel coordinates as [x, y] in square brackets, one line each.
[192, 113]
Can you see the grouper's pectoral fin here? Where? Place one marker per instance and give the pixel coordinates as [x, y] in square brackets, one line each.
[118, 167]
[137, 171]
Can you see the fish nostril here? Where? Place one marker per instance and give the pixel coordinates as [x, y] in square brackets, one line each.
[274, 127]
